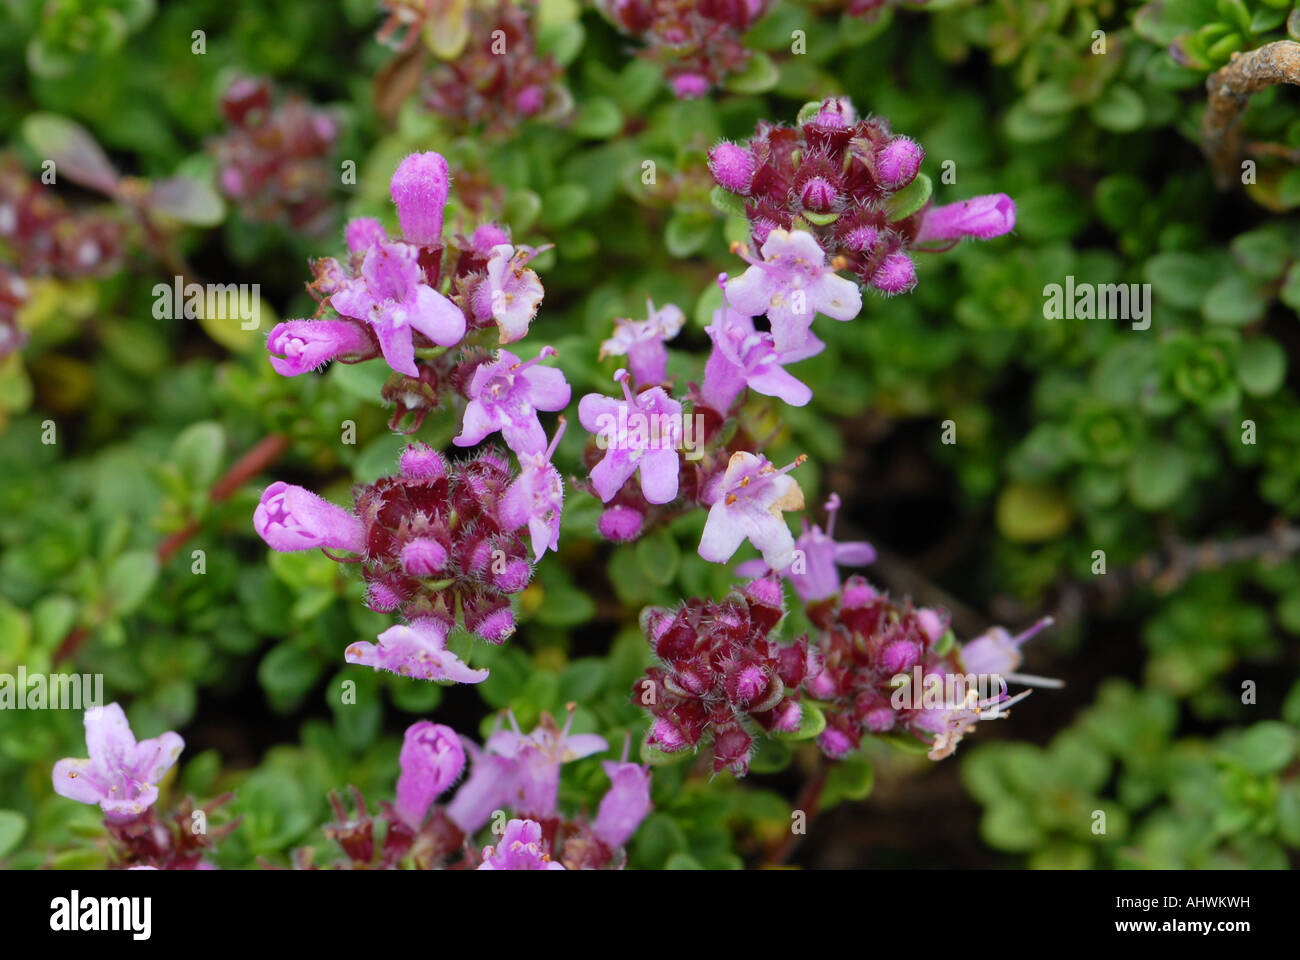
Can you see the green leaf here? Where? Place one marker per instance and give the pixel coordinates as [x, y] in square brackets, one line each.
[1157, 476]
[1024, 125]
[76, 154]
[1032, 513]
[1291, 706]
[128, 581]
[1263, 253]
[1235, 301]
[1051, 97]
[198, 452]
[188, 200]
[563, 41]
[13, 825]
[1179, 279]
[1290, 292]
[910, 199]
[598, 119]
[1265, 748]
[686, 233]
[850, 779]
[727, 202]
[1007, 825]
[1261, 366]
[287, 674]
[1119, 109]
[364, 381]
[760, 75]
[682, 861]
[659, 557]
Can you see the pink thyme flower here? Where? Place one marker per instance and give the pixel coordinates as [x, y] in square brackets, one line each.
[419, 188]
[362, 233]
[642, 342]
[626, 803]
[486, 236]
[432, 758]
[997, 653]
[512, 291]
[747, 501]
[640, 432]
[290, 518]
[520, 849]
[539, 756]
[120, 775]
[297, 346]
[419, 650]
[950, 726]
[536, 497]
[984, 217]
[489, 786]
[791, 284]
[743, 357]
[816, 576]
[505, 394]
[391, 295]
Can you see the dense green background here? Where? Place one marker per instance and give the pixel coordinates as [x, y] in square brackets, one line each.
[1072, 435]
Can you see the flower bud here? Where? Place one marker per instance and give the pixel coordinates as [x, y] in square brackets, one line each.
[732, 167]
[419, 188]
[486, 237]
[620, 524]
[835, 743]
[899, 656]
[421, 462]
[897, 163]
[362, 233]
[731, 747]
[819, 195]
[514, 577]
[932, 623]
[423, 557]
[667, 736]
[896, 274]
[786, 716]
[382, 598]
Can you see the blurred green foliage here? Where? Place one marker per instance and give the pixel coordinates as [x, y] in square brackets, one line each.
[1076, 434]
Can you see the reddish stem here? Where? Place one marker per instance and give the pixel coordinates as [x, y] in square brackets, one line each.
[264, 453]
[809, 797]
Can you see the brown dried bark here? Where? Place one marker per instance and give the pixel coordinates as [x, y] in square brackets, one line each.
[1230, 89]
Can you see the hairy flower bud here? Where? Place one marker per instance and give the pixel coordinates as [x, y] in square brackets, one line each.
[732, 167]
[419, 188]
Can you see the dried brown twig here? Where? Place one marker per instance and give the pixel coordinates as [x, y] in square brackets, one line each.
[1230, 89]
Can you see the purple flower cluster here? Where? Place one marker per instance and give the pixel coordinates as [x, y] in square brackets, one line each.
[439, 542]
[722, 672]
[724, 678]
[387, 298]
[866, 640]
[847, 187]
[274, 161]
[697, 43]
[40, 236]
[499, 79]
[513, 772]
